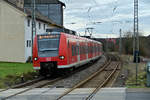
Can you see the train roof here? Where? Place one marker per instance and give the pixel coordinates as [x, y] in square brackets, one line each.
[70, 35]
[65, 30]
[82, 38]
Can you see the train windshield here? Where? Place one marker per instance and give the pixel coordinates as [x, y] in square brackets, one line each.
[48, 45]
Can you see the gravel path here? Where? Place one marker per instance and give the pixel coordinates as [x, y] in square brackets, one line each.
[77, 77]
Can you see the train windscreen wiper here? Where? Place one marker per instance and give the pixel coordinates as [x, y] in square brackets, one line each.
[48, 49]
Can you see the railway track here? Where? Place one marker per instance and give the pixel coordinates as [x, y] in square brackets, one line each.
[33, 86]
[39, 83]
[24, 84]
[90, 78]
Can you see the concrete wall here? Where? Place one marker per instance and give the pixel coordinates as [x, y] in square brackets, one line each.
[11, 33]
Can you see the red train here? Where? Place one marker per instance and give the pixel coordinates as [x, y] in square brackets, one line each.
[60, 51]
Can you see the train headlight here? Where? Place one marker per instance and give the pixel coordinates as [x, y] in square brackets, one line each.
[35, 59]
[61, 57]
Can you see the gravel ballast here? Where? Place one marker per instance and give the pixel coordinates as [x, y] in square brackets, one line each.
[79, 76]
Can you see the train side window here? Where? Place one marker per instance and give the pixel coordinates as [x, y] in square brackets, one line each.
[90, 49]
[99, 48]
[87, 49]
[83, 50]
[68, 43]
[75, 48]
[72, 51]
[80, 50]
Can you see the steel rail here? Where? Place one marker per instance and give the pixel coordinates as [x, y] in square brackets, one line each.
[103, 84]
[54, 80]
[24, 84]
[39, 86]
[85, 81]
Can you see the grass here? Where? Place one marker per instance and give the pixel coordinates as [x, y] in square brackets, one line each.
[10, 73]
[14, 68]
[131, 67]
[141, 82]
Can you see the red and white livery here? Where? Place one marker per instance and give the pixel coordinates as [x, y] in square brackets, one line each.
[58, 51]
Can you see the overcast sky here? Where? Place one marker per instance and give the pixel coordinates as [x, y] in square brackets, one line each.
[114, 14]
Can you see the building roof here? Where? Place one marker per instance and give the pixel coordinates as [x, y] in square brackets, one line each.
[45, 2]
[39, 16]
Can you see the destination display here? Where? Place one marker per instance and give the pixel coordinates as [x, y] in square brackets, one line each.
[48, 36]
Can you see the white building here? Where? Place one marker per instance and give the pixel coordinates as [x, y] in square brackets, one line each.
[16, 31]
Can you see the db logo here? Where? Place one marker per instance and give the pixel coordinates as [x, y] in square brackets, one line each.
[48, 59]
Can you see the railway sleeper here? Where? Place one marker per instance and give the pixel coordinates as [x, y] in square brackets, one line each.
[111, 69]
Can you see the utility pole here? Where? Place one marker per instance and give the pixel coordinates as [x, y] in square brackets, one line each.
[136, 37]
[120, 43]
[107, 44]
[90, 31]
[33, 5]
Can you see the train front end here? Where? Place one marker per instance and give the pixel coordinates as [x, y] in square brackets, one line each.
[46, 55]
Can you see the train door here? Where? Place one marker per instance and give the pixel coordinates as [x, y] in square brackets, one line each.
[86, 50]
[69, 53]
[78, 56]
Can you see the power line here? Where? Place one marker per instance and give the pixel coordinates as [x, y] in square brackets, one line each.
[33, 22]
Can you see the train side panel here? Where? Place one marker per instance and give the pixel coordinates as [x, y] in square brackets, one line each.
[63, 51]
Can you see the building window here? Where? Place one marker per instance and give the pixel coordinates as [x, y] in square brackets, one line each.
[44, 27]
[28, 22]
[28, 43]
[39, 25]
